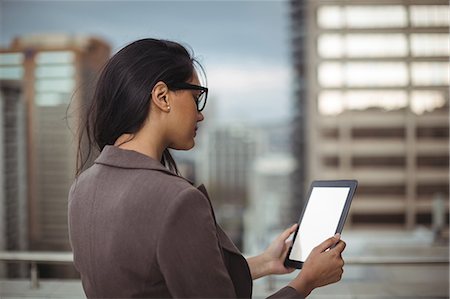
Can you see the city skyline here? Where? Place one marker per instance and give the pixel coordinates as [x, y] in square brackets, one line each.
[243, 45]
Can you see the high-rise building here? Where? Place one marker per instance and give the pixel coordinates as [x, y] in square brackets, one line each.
[373, 103]
[269, 205]
[227, 155]
[57, 72]
[13, 201]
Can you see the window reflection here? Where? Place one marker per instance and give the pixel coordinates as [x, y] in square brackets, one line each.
[55, 57]
[362, 16]
[52, 71]
[11, 72]
[362, 45]
[430, 73]
[334, 74]
[427, 44]
[429, 15]
[55, 85]
[426, 101]
[11, 58]
[335, 102]
[51, 99]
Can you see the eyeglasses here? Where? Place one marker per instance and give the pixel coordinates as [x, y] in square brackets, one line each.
[200, 99]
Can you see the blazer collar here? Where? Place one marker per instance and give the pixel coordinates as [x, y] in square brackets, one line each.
[117, 157]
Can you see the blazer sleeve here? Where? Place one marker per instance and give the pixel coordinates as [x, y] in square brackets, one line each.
[188, 250]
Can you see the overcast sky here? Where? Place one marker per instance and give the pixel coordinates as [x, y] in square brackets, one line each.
[244, 45]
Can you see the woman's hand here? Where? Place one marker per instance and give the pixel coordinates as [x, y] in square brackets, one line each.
[275, 254]
[272, 259]
[323, 266]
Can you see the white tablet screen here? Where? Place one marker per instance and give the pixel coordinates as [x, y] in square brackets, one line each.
[320, 220]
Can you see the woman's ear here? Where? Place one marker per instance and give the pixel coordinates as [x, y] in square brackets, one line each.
[160, 96]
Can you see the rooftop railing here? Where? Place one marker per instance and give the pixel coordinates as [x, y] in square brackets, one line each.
[40, 257]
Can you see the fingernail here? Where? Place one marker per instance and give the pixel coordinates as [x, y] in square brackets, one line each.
[337, 236]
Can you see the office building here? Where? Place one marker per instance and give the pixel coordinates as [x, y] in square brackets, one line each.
[13, 201]
[226, 158]
[373, 103]
[269, 201]
[58, 74]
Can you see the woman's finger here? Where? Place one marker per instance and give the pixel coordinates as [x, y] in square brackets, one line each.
[284, 235]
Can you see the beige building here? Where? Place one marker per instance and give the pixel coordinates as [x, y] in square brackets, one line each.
[375, 103]
[55, 70]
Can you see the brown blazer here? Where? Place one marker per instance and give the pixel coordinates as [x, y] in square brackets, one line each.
[138, 230]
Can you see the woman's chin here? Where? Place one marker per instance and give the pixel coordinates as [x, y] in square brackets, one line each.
[183, 147]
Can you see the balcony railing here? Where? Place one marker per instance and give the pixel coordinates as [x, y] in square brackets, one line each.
[40, 257]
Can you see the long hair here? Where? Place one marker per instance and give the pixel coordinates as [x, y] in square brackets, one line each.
[121, 99]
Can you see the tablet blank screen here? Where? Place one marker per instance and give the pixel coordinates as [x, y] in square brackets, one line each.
[320, 220]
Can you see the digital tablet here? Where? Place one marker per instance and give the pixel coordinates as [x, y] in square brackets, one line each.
[322, 217]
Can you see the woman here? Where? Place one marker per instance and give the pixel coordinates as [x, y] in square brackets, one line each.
[137, 228]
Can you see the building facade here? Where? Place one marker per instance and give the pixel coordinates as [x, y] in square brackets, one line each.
[13, 187]
[376, 103]
[269, 206]
[226, 158]
[57, 74]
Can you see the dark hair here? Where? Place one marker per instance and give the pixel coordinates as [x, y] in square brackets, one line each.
[122, 96]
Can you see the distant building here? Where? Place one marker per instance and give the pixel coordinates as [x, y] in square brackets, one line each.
[226, 158]
[373, 103]
[55, 70]
[13, 187]
[269, 201]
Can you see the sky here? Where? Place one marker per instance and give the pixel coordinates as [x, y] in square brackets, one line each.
[243, 45]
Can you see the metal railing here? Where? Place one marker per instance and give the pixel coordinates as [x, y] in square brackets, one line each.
[41, 257]
[34, 258]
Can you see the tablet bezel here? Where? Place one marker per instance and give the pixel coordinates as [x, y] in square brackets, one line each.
[352, 184]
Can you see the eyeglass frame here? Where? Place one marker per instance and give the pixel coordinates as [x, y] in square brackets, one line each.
[187, 86]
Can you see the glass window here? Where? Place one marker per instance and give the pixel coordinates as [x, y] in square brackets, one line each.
[55, 85]
[385, 99]
[430, 44]
[362, 45]
[376, 45]
[330, 17]
[11, 58]
[51, 99]
[433, 161]
[369, 190]
[376, 74]
[331, 45]
[380, 16]
[375, 16]
[432, 132]
[331, 103]
[335, 102]
[378, 162]
[65, 57]
[431, 189]
[430, 73]
[359, 74]
[11, 72]
[331, 74]
[331, 161]
[426, 101]
[378, 133]
[430, 15]
[55, 71]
